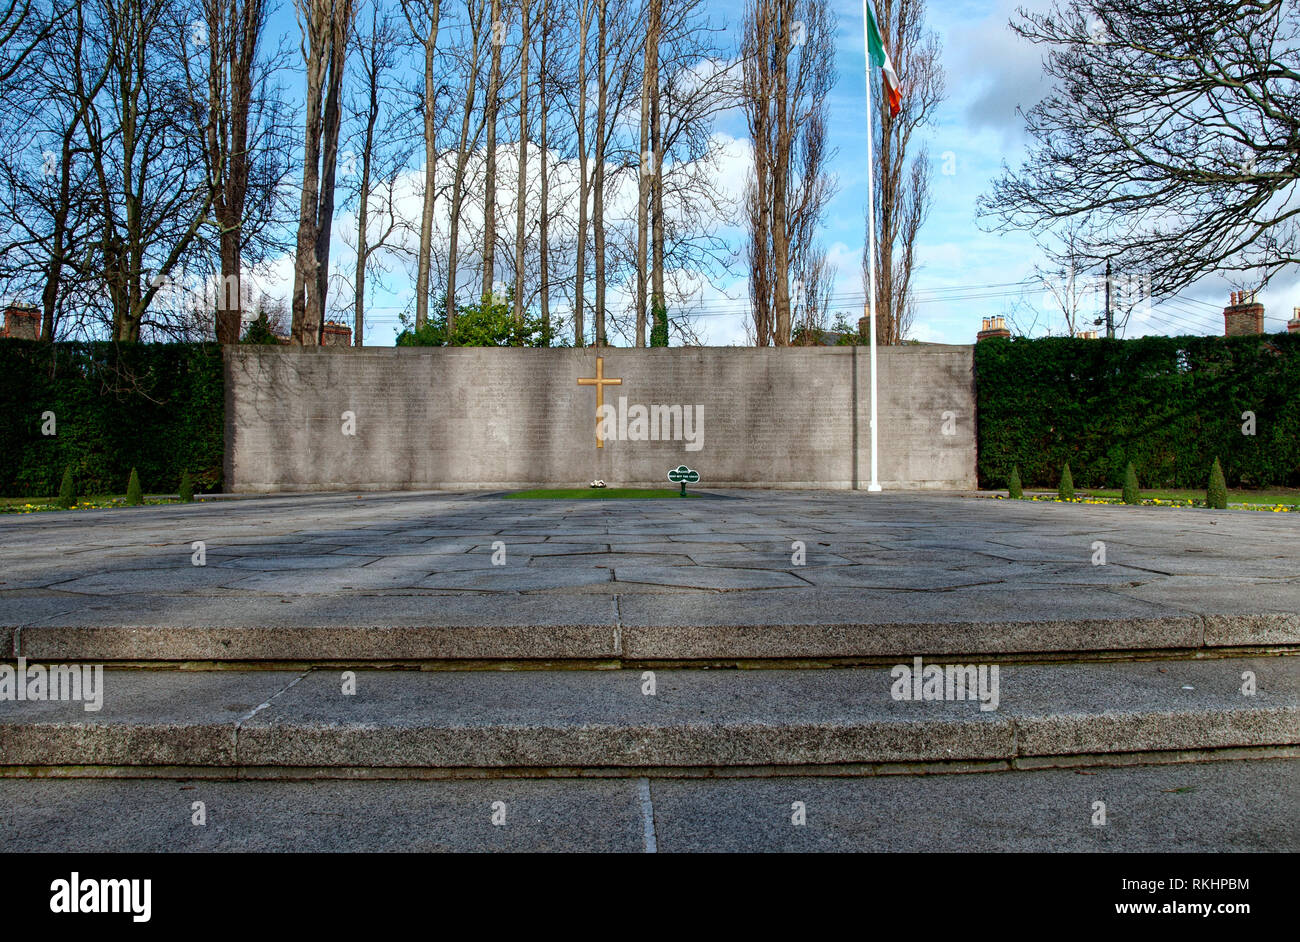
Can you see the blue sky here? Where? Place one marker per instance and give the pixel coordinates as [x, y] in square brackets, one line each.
[965, 273]
[990, 72]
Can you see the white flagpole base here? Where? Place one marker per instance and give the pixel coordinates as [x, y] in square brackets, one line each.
[874, 488]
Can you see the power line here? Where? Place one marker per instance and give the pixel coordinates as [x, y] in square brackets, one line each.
[1175, 312]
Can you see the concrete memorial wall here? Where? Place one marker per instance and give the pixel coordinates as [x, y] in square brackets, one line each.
[339, 418]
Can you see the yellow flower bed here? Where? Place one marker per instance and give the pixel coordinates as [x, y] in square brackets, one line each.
[1157, 502]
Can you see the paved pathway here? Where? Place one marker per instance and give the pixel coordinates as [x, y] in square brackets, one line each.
[429, 559]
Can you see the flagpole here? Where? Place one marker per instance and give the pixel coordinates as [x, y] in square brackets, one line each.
[874, 486]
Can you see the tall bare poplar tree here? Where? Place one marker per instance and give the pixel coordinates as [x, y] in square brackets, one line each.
[658, 302]
[544, 222]
[647, 164]
[789, 68]
[585, 9]
[382, 140]
[521, 187]
[598, 181]
[476, 31]
[491, 106]
[423, 16]
[233, 32]
[326, 26]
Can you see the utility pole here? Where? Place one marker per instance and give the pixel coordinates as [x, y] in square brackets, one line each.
[1110, 317]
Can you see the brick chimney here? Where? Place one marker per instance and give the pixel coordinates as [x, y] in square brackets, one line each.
[994, 327]
[1244, 316]
[1293, 325]
[334, 334]
[22, 323]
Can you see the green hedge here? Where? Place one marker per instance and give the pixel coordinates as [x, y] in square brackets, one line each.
[1170, 405]
[159, 408]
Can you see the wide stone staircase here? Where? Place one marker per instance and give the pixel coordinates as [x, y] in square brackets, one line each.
[656, 700]
[655, 688]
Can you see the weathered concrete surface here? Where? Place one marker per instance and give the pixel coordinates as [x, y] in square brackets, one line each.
[295, 817]
[537, 720]
[465, 417]
[1204, 807]
[146, 718]
[411, 577]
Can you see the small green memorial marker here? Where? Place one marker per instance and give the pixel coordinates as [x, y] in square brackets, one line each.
[683, 475]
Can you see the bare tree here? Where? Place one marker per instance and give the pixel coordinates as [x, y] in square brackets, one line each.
[227, 34]
[23, 28]
[902, 170]
[1170, 138]
[145, 141]
[598, 173]
[1067, 285]
[326, 26]
[423, 17]
[677, 76]
[585, 10]
[47, 185]
[689, 88]
[785, 88]
[521, 187]
[381, 137]
[658, 305]
[646, 164]
[474, 32]
[812, 298]
[491, 106]
[543, 212]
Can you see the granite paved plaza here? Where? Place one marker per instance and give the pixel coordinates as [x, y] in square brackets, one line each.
[597, 578]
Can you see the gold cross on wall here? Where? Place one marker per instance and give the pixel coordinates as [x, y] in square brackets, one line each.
[600, 382]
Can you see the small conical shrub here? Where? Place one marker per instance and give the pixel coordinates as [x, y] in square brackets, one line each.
[1014, 490]
[1131, 493]
[1216, 496]
[1066, 490]
[134, 496]
[186, 489]
[67, 495]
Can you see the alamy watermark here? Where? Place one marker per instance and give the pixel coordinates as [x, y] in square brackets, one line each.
[651, 423]
[56, 682]
[952, 682]
[78, 894]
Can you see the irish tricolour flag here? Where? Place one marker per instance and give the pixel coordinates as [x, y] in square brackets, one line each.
[880, 60]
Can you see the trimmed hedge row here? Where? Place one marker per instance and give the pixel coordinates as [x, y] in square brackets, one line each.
[1169, 405]
[159, 408]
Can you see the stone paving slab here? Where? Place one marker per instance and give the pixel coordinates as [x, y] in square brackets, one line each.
[555, 719]
[294, 817]
[1204, 807]
[884, 574]
[1230, 806]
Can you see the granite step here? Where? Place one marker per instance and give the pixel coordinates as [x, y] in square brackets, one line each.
[631, 631]
[414, 723]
